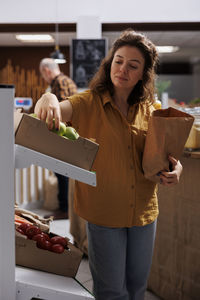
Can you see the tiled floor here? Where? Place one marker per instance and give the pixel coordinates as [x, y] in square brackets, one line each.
[61, 227]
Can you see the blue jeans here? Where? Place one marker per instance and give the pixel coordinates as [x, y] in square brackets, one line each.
[120, 260]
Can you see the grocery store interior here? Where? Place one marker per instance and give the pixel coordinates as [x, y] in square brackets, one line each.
[33, 30]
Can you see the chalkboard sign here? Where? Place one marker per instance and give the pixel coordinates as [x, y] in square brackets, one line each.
[86, 58]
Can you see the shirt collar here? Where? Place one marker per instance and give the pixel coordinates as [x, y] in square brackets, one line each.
[106, 98]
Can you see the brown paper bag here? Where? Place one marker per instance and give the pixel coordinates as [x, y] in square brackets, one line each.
[167, 134]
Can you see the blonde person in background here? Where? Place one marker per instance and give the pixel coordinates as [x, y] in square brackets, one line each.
[121, 212]
[62, 86]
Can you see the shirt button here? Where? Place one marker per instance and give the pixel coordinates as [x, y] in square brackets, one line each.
[129, 147]
[131, 205]
[131, 167]
[132, 186]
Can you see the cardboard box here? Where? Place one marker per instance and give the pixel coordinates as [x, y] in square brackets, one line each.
[29, 255]
[34, 134]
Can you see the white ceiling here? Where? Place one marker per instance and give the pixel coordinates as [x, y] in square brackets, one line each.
[188, 41]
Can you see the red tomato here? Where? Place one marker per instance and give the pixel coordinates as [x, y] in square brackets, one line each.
[39, 245]
[32, 230]
[46, 236]
[57, 248]
[44, 244]
[59, 240]
[20, 230]
[47, 245]
[38, 237]
[24, 226]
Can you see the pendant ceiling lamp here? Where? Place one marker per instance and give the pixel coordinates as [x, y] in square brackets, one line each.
[57, 55]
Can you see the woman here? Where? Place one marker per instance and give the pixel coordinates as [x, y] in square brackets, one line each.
[121, 211]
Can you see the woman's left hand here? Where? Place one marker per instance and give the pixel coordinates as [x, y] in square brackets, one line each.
[172, 177]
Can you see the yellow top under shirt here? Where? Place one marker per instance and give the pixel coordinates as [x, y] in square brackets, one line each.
[123, 196]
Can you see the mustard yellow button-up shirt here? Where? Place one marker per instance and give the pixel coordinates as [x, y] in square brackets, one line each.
[123, 196]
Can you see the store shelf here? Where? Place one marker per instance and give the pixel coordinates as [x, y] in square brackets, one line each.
[24, 157]
[36, 284]
[18, 283]
[42, 285]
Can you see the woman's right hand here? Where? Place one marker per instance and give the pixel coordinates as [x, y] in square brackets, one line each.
[47, 108]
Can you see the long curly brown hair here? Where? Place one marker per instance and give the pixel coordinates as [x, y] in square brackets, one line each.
[145, 88]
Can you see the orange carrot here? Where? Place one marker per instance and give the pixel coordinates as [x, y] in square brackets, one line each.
[21, 220]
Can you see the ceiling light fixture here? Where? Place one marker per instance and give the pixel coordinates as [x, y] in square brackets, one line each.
[57, 55]
[167, 49]
[35, 38]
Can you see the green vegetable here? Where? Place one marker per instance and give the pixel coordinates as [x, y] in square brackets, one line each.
[71, 133]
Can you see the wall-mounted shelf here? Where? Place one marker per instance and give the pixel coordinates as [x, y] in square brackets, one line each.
[24, 157]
